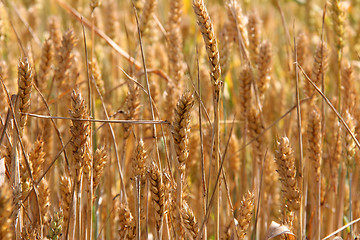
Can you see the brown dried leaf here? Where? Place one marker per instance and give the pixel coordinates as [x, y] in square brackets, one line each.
[276, 229]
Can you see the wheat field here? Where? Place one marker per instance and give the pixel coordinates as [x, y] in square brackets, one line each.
[180, 119]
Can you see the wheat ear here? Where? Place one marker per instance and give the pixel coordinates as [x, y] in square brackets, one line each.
[225, 46]
[47, 55]
[348, 143]
[338, 18]
[176, 64]
[182, 128]
[65, 198]
[246, 77]
[100, 159]
[111, 19]
[79, 131]
[148, 10]
[157, 189]
[132, 105]
[139, 170]
[189, 221]
[256, 127]
[55, 33]
[181, 140]
[56, 224]
[37, 160]
[349, 154]
[264, 69]
[25, 79]
[79, 142]
[315, 155]
[254, 34]
[207, 31]
[96, 73]
[127, 224]
[6, 209]
[246, 211]
[65, 57]
[285, 160]
[302, 42]
[348, 88]
[238, 22]
[319, 66]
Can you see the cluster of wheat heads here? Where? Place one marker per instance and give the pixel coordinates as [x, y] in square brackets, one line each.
[202, 119]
